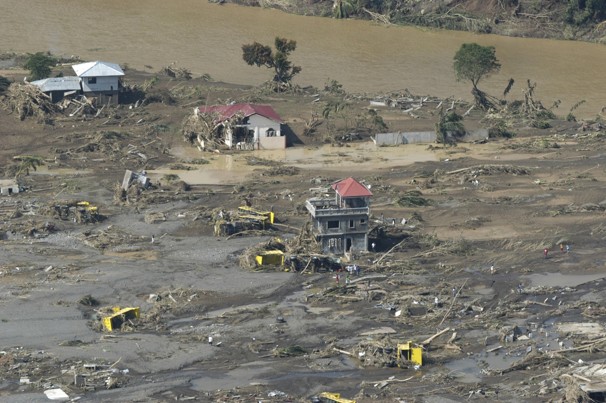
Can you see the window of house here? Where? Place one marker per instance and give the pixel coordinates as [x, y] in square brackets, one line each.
[363, 221]
[92, 80]
[333, 224]
[351, 224]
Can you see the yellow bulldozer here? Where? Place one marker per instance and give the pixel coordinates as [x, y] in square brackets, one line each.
[407, 355]
[329, 397]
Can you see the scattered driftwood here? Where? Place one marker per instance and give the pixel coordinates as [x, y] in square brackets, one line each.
[452, 303]
[391, 379]
[491, 170]
[388, 252]
[432, 338]
[342, 351]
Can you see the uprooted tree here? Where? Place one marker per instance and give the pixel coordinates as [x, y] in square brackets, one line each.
[473, 62]
[262, 55]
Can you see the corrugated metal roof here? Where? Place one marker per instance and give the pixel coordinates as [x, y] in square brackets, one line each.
[227, 111]
[98, 69]
[351, 188]
[69, 83]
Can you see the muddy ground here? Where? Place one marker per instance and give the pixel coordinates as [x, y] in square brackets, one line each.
[514, 324]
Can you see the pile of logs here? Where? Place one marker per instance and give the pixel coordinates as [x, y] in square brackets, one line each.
[27, 100]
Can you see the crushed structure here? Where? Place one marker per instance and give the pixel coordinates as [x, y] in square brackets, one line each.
[244, 126]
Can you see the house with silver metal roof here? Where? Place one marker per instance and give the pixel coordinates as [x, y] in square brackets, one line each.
[100, 79]
[58, 87]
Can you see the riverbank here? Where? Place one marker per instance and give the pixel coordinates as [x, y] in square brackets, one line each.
[366, 58]
[526, 19]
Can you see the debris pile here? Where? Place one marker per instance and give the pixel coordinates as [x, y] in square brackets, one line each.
[176, 72]
[40, 371]
[79, 212]
[27, 100]
[110, 237]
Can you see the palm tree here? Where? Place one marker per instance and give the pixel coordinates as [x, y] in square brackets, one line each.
[27, 162]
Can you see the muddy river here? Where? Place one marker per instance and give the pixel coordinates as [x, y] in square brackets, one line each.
[364, 57]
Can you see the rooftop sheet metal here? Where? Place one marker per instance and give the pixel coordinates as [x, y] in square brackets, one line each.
[225, 112]
[97, 69]
[69, 83]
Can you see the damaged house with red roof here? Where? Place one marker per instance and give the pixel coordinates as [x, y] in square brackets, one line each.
[240, 126]
[340, 223]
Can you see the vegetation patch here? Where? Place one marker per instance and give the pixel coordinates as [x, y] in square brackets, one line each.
[413, 198]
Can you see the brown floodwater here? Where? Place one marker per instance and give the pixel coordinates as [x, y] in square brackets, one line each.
[363, 56]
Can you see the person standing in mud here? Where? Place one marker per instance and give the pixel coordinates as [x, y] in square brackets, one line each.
[545, 252]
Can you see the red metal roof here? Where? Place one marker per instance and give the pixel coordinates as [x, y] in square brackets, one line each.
[351, 188]
[227, 111]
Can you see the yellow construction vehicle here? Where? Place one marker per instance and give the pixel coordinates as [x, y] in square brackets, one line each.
[119, 316]
[86, 212]
[328, 397]
[407, 354]
[251, 213]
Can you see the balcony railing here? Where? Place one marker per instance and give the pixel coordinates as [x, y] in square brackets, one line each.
[324, 208]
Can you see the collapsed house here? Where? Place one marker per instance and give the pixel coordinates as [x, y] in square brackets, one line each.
[244, 126]
[340, 223]
[58, 88]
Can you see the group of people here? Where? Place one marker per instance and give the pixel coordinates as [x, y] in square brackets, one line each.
[564, 248]
[353, 269]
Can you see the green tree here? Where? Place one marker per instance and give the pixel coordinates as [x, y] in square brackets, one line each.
[581, 11]
[449, 128]
[261, 55]
[473, 62]
[39, 65]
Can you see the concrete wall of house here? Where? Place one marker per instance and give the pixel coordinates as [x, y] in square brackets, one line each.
[344, 243]
[272, 143]
[261, 124]
[338, 233]
[106, 89]
[102, 84]
[9, 190]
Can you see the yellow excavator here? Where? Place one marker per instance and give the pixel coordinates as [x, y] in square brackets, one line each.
[329, 397]
[407, 354]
